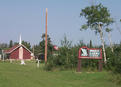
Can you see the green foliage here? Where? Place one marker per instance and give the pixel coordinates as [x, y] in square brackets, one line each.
[37, 50]
[16, 43]
[26, 44]
[108, 30]
[49, 45]
[66, 56]
[116, 78]
[96, 15]
[4, 46]
[10, 43]
[66, 43]
[117, 65]
[40, 48]
[114, 59]
[84, 27]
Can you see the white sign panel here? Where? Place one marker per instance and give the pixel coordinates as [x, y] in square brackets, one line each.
[94, 53]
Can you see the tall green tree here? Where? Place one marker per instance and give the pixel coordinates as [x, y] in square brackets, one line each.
[10, 43]
[37, 50]
[97, 17]
[65, 49]
[41, 47]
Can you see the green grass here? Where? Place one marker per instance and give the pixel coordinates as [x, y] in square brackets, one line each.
[16, 75]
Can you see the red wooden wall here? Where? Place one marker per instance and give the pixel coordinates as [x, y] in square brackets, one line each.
[26, 54]
[15, 54]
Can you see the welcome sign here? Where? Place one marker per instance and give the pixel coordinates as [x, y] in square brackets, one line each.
[90, 53]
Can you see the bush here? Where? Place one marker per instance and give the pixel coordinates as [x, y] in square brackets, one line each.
[114, 59]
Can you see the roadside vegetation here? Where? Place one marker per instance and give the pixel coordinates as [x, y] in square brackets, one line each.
[64, 60]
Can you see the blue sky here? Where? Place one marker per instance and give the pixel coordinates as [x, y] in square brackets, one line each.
[27, 17]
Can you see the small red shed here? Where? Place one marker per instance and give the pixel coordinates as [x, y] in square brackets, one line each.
[14, 52]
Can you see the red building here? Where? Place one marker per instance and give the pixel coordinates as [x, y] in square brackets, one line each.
[14, 52]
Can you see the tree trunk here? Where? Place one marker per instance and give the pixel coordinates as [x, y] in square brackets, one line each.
[111, 45]
[102, 40]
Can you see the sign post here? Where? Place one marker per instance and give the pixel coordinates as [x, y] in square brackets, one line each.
[79, 65]
[89, 53]
[100, 66]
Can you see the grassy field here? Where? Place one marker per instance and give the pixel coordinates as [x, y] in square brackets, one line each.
[16, 75]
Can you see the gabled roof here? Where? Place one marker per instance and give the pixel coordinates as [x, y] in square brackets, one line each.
[14, 48]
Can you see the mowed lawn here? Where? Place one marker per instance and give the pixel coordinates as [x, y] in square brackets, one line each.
[16, 75]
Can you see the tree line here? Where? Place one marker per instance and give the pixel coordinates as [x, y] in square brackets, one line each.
[37, 49]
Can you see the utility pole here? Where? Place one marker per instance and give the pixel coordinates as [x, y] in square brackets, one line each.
[46, 39]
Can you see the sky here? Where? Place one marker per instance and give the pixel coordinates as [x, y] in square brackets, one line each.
[27, 17]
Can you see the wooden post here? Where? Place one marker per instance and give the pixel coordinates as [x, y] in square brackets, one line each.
[100, 66]
[79, 65]
[46, 39]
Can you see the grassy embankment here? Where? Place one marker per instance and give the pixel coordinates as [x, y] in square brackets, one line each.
[16, 75]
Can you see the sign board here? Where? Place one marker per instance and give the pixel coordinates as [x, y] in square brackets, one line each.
[90, 53]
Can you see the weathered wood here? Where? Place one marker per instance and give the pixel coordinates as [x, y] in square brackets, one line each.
[100, 65]
[79, 65]
[46, 39]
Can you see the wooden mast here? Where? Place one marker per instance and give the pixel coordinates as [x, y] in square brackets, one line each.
[46, 39]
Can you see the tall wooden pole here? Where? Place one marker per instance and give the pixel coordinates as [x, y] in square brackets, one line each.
[46, 39]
